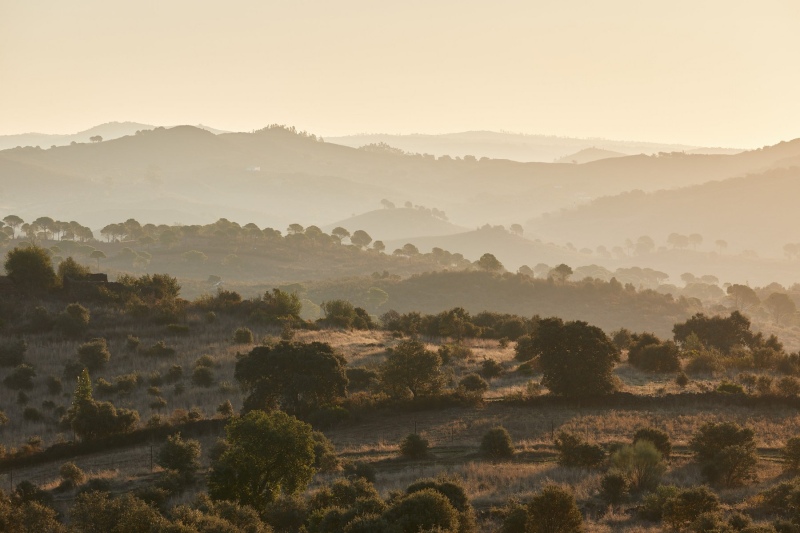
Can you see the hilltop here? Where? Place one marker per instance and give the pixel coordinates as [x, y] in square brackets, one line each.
[277, 176]
[752, 212]
[513, 146]
[587, 155]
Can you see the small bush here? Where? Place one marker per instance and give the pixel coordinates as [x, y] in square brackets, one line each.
[71, 475]
[788, 386]
[473, 384]
[325, 459]
[359, 469]
[688, 505]
[21, 378]
[54, 385]
[127, 383]
[554, 510]
[614, 488]
[180, 455]
[74, 320]
[682, 380]
[414, 447]
[328, 416]
[158, 403]
[655, 357]
[764, 385]
[132, 343]
[175, 373]
[94, 354]
[225, 409]
[243, 336]
[641, 464]
[159, 349]
[31, 414]
[12, 352]
[705, 362]
[496, 444]
[726, 452]
[202, 376]
[206, 361]
[360, 378]
[728, 387]
[575, 452]
[653, 504]
[659, 438]
[491, 369]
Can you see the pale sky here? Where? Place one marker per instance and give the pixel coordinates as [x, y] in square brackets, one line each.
[715, 73]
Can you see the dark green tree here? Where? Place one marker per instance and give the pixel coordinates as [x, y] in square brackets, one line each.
[554, 510]
[294, 376]
[31, 268]
[268, 454]
[411, 370]
[576, 359]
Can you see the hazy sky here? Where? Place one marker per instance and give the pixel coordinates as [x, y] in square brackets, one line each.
[723, 73]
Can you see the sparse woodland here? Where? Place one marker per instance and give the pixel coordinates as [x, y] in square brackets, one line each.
[371, 403]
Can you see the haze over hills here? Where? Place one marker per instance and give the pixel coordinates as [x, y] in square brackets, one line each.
[277, 176]
[514, 146]
[756, 212]
[587, 155]
[397, 223]
[108, 131]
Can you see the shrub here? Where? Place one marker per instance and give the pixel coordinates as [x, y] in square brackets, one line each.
[414, 446]
[174, 373]
[12, 352]
[554, 510]
[473, 384]
[659, 438]
[688, 505]
[641, 464]
[243, 336]
[74, 320]
[94, 354]
[225, 409]
[359, 469]
[705, 362]
[32, 414]
[328, 416]
[160, 349]
[360, 378]
[652, 507]
[54, 385]
[425, 510]
[764, 385]
[202, 376]
[614, 488]
[515, 518]
[206, 361]
[158, 403]
[788, 386]
[651, 355]
[525, 349]
[180, 455]
[132, 342]
[728, 387]
[491, 369]
[575, 452]
[20, 378]
[325, 458]
[726, 452]
[682, 379]
[71, 475]
[127, 383]
[496, 444]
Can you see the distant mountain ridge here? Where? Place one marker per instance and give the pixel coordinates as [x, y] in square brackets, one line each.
[515, 146]
[108, 131]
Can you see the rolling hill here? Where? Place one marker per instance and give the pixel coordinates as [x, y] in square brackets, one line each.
[277, 176]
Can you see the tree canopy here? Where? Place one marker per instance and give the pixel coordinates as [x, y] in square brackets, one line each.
[268, 454]
[294, 376]
[576, 359]
[31, 268]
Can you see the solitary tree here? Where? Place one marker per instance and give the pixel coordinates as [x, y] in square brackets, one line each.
[561, 273]
[743, 297]
[780, 305]
[31, 268]
[576, 359]
[268, 454]
[98, 255]
[13, 221]
[412, 370]
[489, 263]
[360, 238]
[296, 377]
